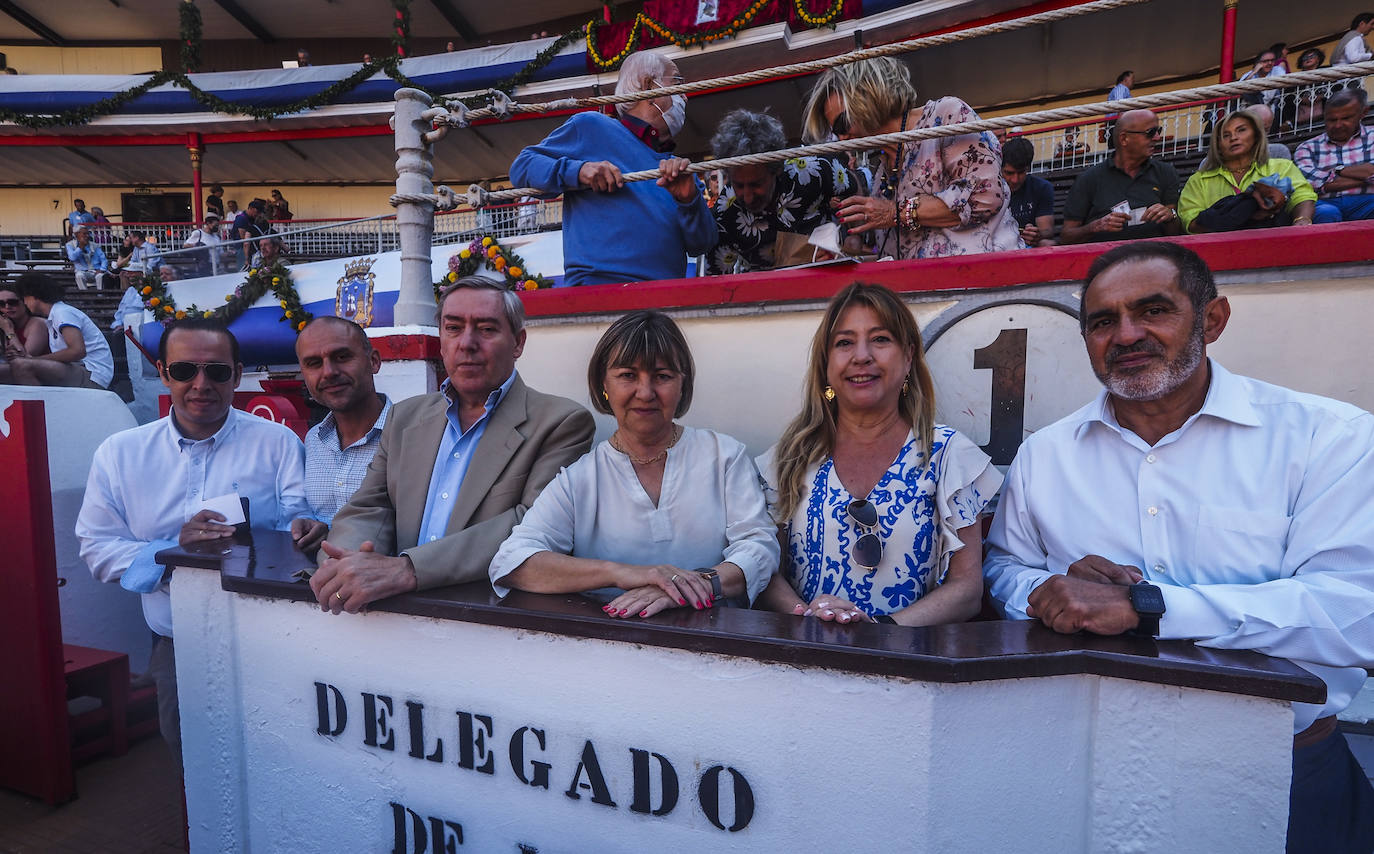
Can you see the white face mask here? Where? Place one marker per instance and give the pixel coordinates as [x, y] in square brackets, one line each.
[676, 116]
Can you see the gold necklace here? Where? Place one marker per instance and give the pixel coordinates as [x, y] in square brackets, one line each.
[615, 443]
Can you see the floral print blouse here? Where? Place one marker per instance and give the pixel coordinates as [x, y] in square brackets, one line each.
[965, 172]
[801, 202]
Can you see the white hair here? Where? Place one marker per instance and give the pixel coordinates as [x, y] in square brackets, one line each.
[641, 69]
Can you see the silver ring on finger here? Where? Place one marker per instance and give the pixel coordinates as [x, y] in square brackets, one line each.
[338, 596]
[674, 578]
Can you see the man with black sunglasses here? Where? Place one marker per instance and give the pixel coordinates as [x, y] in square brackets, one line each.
[148, 485]
[1129, 195]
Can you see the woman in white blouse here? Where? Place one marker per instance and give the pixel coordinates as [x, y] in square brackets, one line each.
[658, 516]
[877, 504]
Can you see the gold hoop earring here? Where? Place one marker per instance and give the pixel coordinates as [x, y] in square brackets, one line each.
[604, 396]
[829, 393]
[906, 387]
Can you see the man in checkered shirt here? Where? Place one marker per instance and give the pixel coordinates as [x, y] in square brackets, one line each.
[337, 363]
[1340, 162]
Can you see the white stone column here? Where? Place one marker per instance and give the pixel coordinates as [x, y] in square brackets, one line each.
[414, 220]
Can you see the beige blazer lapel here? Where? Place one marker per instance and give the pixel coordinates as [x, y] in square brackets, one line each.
[417, 467]
[499, 443]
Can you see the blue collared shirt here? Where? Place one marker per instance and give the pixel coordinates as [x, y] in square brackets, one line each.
[333, 474]
[451, 464]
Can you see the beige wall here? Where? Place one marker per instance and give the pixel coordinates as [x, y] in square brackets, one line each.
[31, 211]
[82, 60]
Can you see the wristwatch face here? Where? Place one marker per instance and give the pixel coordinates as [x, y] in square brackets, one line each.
[1147, 599]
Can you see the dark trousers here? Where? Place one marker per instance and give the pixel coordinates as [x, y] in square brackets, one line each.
[1331, 804]
[162, 666]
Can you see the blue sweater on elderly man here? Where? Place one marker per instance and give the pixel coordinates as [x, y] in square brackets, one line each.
[635, 234]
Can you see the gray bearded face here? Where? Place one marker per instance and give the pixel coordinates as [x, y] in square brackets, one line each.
[1156, 381]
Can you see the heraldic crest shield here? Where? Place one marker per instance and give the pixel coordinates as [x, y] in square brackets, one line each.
[353, 299]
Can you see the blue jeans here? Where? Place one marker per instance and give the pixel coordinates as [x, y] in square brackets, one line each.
[1345, 208]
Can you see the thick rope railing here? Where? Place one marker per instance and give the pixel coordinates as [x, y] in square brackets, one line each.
[502, 107]
[478, 197]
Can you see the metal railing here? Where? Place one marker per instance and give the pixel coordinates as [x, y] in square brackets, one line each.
[341, 238]
[1185, 129]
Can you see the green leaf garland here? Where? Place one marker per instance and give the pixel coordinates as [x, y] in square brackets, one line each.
[276, 278]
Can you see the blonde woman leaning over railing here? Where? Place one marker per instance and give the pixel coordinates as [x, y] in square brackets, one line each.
[877, 505]
[933, 198]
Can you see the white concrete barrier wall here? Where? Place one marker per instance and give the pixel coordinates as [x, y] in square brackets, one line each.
[793, 759]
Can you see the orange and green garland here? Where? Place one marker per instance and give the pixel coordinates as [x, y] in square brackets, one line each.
[486, 250]
[275, 278]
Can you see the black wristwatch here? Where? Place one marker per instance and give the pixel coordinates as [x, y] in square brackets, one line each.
[1148, 602]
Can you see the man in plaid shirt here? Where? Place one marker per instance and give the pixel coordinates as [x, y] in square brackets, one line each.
[337, 363]
[1340, 162]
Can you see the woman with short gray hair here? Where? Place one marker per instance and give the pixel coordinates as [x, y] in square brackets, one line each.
[761, 201]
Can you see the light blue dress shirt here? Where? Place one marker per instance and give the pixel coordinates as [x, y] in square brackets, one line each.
[333, 474]
[146, 482]
[451, 463]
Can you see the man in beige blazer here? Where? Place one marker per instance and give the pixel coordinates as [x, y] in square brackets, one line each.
[456, 470]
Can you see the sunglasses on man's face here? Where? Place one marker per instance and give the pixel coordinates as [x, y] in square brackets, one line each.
[868, 549]
[10, 303]
[1151, 133]
[215, 372]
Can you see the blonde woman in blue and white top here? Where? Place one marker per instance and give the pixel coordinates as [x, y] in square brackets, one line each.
[878, 506]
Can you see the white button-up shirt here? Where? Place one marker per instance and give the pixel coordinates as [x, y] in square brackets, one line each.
[146, 482]
[1253, 518]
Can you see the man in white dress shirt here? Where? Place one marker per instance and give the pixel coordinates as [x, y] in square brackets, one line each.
[147, 485]
[1187, 502]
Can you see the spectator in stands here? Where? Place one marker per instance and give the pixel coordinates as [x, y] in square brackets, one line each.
[1130, 194]
[1352, 47]
[1239, 186]
[100, 227]
[337, 364]
[947, 194]
[25, 333]
[1340, 162]
[78, 354]
[143, 259]
[270, 251]
[302, 58]
[766, 200]
[1265, 116]
[877, 505]
[613, 231]
[711, 538]
[88, 260]
[246, 227]
[278, 208]
[1072, 145]
[80, 216]
[1310, 101]
[215, 202]
[231, 209]
[457, 469]
[1264, 64]
[147, 485]
[1280, 52]
[1122, 90]
[1032, 197]
[1187, 502]
[206, 241]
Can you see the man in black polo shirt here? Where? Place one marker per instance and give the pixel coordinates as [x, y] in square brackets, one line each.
[1147, 185]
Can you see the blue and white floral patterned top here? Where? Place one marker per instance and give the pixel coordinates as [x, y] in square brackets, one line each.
[921, 505]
